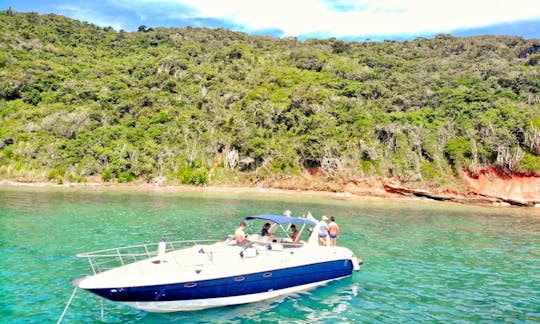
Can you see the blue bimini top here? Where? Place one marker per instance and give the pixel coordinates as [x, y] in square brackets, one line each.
[279, 219]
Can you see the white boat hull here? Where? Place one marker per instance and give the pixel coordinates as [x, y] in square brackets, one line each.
[219, 274]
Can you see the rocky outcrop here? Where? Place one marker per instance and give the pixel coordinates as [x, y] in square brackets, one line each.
[529, 51]
[515, 189]
[488, 186]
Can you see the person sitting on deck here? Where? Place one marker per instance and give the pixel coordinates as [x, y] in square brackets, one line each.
[265, 230]
[295, 237]
[239, 235]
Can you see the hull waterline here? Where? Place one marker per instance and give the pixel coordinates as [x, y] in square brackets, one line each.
[199, 304]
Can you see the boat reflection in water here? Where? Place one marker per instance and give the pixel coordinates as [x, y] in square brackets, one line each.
[193, 275]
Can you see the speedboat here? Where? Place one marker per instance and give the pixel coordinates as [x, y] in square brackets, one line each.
[193, 275]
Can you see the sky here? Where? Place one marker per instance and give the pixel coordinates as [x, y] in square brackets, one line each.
[342, 19]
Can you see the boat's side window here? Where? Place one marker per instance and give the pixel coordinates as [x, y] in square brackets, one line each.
[267, 274]
[190, 284]
[239, 278]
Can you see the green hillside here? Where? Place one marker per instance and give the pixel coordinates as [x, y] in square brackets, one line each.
[197, 106]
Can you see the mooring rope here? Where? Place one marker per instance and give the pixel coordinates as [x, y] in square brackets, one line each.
[67, 305]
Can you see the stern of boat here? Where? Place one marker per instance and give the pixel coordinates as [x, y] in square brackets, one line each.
[357, 262]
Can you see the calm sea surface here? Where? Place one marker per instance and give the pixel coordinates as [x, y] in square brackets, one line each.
[424, 261]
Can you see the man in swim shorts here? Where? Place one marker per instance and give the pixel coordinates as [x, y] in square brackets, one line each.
[333, 231]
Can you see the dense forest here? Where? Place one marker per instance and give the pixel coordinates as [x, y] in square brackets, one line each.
[210, 106]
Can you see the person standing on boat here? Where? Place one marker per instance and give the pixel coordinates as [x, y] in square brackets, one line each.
[323, 231]
[239, 235]
[333, 231]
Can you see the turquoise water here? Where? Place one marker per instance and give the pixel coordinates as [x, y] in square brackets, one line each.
[424, 261]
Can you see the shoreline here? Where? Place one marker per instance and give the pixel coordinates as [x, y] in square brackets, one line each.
[149, 187]
[406, 196]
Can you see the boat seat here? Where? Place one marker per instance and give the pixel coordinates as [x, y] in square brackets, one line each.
[253, 237]
[265, 239]
[250, 253]
[277, 247]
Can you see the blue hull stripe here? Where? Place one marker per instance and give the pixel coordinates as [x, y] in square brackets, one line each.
[231, 286]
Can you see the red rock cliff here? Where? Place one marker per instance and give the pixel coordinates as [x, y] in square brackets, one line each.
[493, 183]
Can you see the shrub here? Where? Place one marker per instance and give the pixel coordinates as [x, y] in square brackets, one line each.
[457, 150]
[529, 164]
[430, 172]
[107, 175]
[193, 176]
[284, 167]
[125, 177]
[8, 153]
[53, 173]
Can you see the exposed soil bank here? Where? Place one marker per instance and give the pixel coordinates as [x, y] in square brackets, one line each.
[514, 189]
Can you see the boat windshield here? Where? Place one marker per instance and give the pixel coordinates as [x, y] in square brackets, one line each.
[284, 223]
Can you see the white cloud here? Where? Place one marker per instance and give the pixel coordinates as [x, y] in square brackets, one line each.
[298, 17]
[85, 14]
